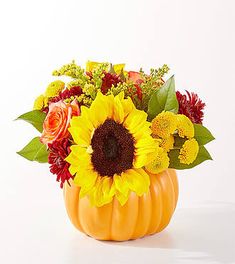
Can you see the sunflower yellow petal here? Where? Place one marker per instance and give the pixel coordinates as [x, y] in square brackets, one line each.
[108, 187]
[96, 197]
[137, 180]
[118, 68]
[120, 184]
[135, 120]
[149, 144]
[73, 169]
[140, 161]
[72, 158]
[82, 121]
[85, 180]
[81, 137]
[100, 109]
[91, 65]
[121, 197]
[128, 106]
[118, 112]
[141, 131]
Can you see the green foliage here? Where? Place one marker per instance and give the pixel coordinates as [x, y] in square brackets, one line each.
[202, 134]
[178, 141]
[35, 118]
[35, 151]
[163, 99]
[202, 156]
[151, 82]
[98, 75]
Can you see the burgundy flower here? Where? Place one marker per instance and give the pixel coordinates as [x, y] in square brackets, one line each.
[58, 151]
[136, 78]
[139, 92]
[191, 106]
[108, 80]
[67, 93]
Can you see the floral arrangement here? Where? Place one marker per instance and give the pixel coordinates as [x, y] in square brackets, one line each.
[107, 129]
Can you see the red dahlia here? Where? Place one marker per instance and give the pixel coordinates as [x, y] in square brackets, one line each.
[191, 106]
[108, 80]
[58, 151]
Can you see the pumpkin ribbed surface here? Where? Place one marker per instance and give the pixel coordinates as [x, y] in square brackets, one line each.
[140, 216]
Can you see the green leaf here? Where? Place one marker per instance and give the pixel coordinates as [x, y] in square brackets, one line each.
[202, 134]
[178, 141]
[35, 151]
[203, 155]
[111, 69]
[163, 99]
[35, 118]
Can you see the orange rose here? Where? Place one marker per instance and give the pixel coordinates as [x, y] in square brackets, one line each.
[135, 77]
[55, 126]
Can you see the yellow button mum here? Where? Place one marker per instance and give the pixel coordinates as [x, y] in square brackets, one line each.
[160, 162]
[39, 102]
[112, 145]
[185, 126]
[189, 151]
[54, 88]
[164, 124]
[167, 143]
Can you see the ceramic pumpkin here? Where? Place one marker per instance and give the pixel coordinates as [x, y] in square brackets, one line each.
[140, 216]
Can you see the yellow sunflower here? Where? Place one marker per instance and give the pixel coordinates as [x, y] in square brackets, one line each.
[112, 145]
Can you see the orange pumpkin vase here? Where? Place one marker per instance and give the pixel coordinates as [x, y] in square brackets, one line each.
[140, 216]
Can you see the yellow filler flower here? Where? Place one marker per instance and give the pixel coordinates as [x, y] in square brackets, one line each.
[112, 145]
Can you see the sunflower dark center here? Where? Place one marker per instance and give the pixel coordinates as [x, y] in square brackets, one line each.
[113, 148]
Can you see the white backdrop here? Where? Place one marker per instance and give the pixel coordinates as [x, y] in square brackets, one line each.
[195, 38]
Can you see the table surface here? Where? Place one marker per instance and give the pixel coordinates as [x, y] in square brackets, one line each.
[201, 234]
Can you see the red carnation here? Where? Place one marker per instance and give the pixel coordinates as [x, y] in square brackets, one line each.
[108, 80]
[191, 106]
[58, 151]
